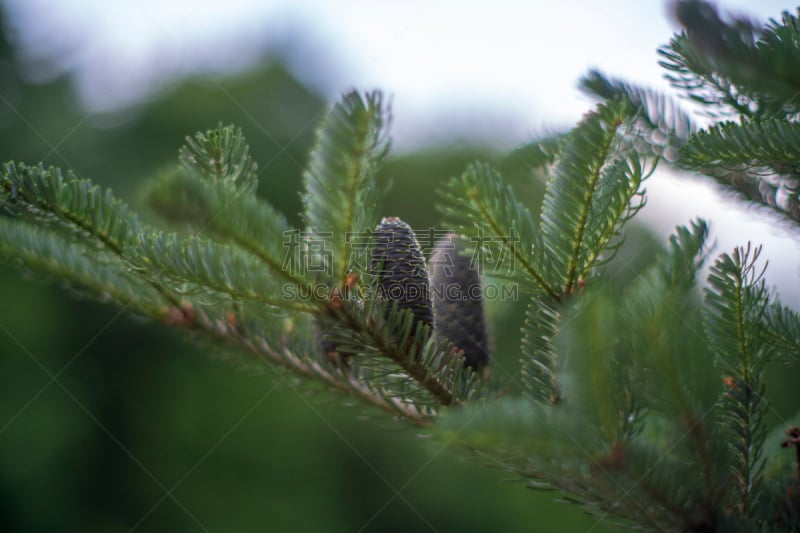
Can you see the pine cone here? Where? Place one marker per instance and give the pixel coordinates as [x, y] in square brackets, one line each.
[398, 263]
[458, 302]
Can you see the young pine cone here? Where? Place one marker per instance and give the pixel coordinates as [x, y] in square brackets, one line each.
[399, 265]
[458, 302]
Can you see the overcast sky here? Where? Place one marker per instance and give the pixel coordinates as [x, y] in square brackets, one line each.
[513, 64]
[505, 69]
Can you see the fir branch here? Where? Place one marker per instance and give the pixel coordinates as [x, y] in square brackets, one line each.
[482, 201]
[340, 380]
[71, 204]
[539, 357]
[650, 487]
[736, 301]
[670, 367]
[696, 76]
[592, 193]
[744, 410]
[545, 444]
[382, 330]
[102, 273]
[754, 145]
[221, 156]
[204, 264]
[678, 267]
[588, 362]
[554, 449]
[779, 47]
[782, 333]
[77, 207]
[730, 63]
[758, 160]
[241, 219]
[668, 126]
[341, 192]
[199, 265]
[277, 349]
[621, 409]
[661, 312]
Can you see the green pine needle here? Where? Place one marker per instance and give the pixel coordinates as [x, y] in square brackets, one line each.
[539, 356]
[224, 212]
[480, 202]
[221, 156]
[736, 302]
[594, 190]
[65, 202]
[341, 192]
[667, 126]
[103, 274]
[198, 264]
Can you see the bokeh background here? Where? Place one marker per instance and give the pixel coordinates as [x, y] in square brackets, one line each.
[111, 423]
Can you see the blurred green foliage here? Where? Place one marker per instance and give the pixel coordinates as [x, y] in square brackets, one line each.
[110, 423]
